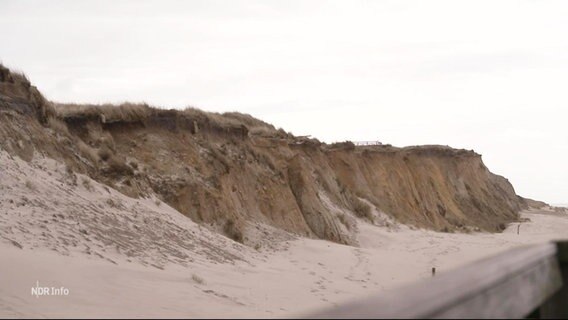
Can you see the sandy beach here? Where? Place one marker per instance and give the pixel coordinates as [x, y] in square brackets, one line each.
[128, 257]
[308, 275]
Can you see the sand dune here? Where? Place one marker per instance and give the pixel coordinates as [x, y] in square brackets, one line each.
[124, 257]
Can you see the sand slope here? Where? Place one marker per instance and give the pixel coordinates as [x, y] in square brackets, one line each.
[124, 257]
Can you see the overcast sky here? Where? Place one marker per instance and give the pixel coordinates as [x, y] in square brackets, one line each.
[491, 76]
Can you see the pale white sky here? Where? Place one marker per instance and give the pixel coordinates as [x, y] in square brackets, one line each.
[485, 75]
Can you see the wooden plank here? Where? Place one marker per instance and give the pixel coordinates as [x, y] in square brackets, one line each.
[557, 306]
[509, 285]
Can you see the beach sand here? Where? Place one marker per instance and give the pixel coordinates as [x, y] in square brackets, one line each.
[127, 257]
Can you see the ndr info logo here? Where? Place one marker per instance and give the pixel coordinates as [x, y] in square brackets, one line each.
[49, 291]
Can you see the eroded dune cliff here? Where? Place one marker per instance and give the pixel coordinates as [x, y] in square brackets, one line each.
[230, 170]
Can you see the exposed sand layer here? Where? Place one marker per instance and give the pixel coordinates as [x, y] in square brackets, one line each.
[232, 170]
[125, 257]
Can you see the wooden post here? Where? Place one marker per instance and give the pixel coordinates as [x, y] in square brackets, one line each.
[195, 127]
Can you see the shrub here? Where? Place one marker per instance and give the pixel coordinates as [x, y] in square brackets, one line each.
[362, 209]
[347, 145]
[118, 167]
[134, 165]
[105, 153]
[232, 231]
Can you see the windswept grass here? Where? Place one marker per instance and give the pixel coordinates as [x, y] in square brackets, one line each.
[17, 86]
[263, 132]
[107, 112]
[87, 152]
[248, 120]
[213, 118]
[131, 112]
[359, 207]
[58, 125]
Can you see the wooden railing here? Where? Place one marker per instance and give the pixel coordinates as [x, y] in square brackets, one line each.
[527, 281]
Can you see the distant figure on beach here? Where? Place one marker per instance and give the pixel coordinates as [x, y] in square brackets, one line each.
[433, 271]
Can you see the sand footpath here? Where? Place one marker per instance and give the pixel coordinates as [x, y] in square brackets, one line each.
[308, 275]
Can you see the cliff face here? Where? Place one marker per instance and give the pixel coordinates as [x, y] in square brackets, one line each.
[231, 171]
[429, 186]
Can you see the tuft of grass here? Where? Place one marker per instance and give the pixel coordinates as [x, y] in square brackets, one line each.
[247, 120]
[118, 167]
[87, 184]
[197, 279]
[87, 151]
[213, 118]
[70, 175]
[115, 203]
[344, 219]
[362, 210]
[30, 185]
[216, 122]
[263, 132]
[232, 231]
[104, 153]
[58, 125]
[359, 207]
[105, 139]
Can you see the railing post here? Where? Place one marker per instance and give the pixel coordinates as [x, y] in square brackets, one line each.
[557, 305]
